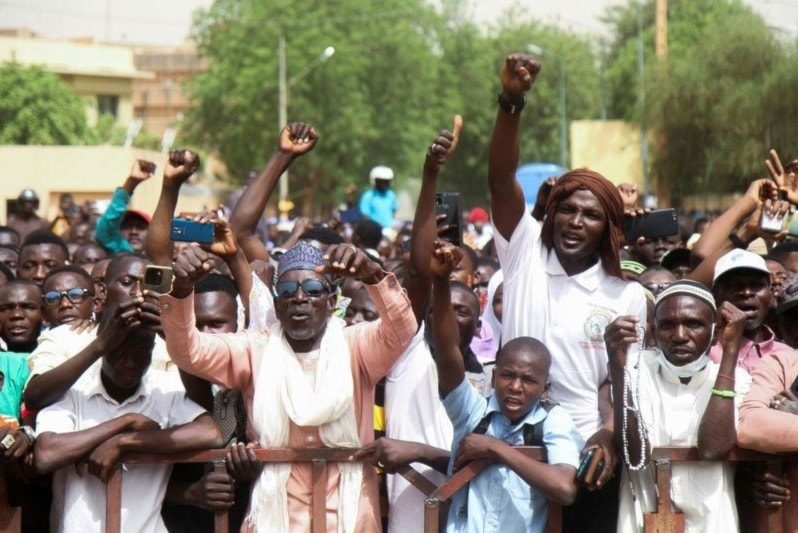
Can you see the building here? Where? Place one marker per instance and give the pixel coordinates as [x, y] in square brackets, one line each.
[160, 101]
[102, 75]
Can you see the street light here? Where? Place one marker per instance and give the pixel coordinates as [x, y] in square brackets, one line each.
[537, 50]
[285, 84]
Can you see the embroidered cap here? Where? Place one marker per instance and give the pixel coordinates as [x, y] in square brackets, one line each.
[688, 288]
[632, 266]
[302, 256]
[739, 260]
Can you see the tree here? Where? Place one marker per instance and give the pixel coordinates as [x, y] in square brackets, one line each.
[400, 72]
[36, 107]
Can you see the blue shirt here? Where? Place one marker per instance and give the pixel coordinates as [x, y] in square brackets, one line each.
[107, 232]
[498, 499]
[379, 206]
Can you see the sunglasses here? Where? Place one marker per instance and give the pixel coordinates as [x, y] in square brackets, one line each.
[312, 288]
[76, 296]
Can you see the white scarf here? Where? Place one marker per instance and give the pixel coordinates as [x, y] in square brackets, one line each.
[283, 392]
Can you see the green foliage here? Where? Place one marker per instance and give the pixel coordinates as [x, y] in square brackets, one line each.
[36, 107]
[719, 102]
[401, 71]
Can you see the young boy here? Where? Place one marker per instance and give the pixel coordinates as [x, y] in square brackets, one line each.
[511, 494]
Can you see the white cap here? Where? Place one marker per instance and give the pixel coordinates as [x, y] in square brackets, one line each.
[381, 173]
[737, 260]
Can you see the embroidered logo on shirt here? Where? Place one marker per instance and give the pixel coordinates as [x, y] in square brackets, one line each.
[597, 321]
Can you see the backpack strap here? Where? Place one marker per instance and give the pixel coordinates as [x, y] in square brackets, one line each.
[533, 433]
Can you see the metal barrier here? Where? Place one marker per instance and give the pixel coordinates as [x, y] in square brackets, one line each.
[666, 519]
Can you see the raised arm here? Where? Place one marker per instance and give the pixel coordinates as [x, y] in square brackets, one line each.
[506, 197]
[157, 244]
[107, 232]
[47, 388]
[445, 335]
[717, 433]
[424, 228]
[619, 335]
[295, 140]
[58, 450]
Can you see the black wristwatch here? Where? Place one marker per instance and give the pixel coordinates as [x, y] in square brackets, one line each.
[737, 241]
[509, 106]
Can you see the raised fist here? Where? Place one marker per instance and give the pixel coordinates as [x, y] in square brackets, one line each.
[519, 73]
[181, 165]
[142, 170]
[297, 138]
[444, 145]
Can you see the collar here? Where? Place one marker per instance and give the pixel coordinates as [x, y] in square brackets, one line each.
[695, 382]
[764, 346]
[97, 387]
[535, 415]
[589, 280]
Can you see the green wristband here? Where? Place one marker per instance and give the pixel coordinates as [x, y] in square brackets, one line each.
[724, 393]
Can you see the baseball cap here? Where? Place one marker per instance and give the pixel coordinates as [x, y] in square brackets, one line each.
[135, 213]
[478, 214]
[739, 260]
[381, 172]
[676, 258]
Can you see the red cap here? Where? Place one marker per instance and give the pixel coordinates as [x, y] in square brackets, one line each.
[136, 213]
[478, 215]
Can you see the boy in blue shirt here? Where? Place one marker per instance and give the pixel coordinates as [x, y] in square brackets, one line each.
[511, 494]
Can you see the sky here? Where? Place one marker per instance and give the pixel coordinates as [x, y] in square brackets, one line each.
[166, 22]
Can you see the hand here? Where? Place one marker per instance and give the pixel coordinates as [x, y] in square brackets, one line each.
[349, 261]
[224, 240]
[474, 447]
[544, 191]
[731, 326]
[442, 149]
[190, 266]
[81, 325]
[151, 312]
[297, 139]
[242, 463]
[770, 490]
[629, 194]
[103, 460]
[18, 450]
[389, 454]
[116, 323]
[214, 491]
[603, 439]
[141, 170]
[787, 182]
[181, 165]
[751, 228]
[300, 225]
[785, 401]
[761, 190]
[618, 336]
[518, 74]
[139, 422]
[445, 258]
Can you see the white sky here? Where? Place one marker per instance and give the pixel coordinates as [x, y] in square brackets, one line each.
[168, 21]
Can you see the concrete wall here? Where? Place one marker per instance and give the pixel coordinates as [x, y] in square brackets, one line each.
[90, 172]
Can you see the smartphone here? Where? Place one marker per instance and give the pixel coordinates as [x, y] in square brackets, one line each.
[449, 204]
[653, 225]
[771, 224]
[158, 279]
[184, 230]
[587, 458]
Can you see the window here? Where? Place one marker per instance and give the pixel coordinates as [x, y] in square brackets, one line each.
[108, 104]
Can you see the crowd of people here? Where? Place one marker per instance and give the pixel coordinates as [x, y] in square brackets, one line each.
[541, 327]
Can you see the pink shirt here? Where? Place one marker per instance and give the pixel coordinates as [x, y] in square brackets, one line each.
[751, 352]
[233, 359]
[769, 430]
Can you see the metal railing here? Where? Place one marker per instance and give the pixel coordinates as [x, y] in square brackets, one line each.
[666, 519]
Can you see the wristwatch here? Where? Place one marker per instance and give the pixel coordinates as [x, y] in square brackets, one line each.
[29, 432]
[510, 107]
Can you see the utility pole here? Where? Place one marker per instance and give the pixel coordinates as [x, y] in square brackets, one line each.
[282, 106]
[641, 97]
[662, 29]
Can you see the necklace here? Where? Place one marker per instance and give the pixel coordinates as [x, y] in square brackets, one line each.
[631, 372]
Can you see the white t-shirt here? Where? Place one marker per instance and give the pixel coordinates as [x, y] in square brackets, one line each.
[79, 502]
[672, 411]
[566, 313]
[414, 412]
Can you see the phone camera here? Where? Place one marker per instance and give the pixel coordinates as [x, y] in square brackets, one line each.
[153, 277]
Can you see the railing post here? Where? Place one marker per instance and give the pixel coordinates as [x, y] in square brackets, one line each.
[432, 515]
[113, 502]
[666, 519]
[318, 502]
[221, 521]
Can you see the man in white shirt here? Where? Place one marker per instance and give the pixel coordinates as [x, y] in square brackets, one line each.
[678, 397]
[119, 405]
[563, 285]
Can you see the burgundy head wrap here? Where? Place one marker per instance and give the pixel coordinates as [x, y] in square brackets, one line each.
[611, 202]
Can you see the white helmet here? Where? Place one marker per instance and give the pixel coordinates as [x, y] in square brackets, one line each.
[380, 172]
